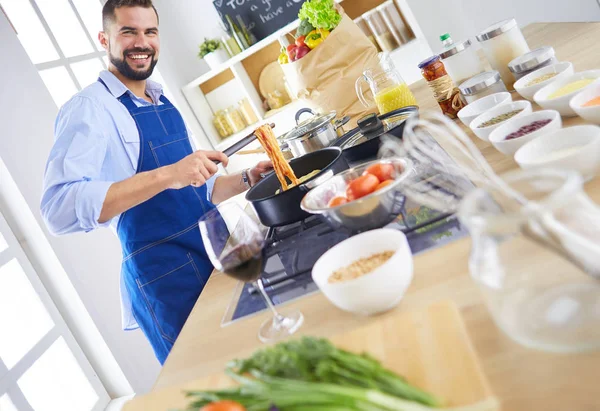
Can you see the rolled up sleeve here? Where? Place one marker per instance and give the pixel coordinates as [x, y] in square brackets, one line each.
[74, 192]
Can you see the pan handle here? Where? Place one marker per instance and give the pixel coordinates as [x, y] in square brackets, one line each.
[309, 185]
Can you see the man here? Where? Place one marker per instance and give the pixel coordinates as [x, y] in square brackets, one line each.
[123, 158]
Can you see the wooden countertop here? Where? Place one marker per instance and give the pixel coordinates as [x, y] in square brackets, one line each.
[522, 378]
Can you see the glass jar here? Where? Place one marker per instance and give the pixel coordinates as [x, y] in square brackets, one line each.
[502, 42]
[481, 85]
[234, 119]
[393, 20]
[532, 61]
[231, 45]
[247, 112]
[362, 25]
[445, 92]
[383, 36]
[221, 124]
[461, 60]
[535, 295]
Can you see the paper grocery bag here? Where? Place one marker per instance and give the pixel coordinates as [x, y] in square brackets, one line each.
[325, 77]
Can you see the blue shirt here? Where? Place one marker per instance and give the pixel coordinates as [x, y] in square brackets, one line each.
[96, 144]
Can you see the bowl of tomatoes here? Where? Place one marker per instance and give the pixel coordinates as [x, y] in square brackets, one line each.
[362, 198]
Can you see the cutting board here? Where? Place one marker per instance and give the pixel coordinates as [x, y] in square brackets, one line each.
[430, 347]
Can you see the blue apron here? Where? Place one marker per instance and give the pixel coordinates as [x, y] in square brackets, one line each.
[165, 265]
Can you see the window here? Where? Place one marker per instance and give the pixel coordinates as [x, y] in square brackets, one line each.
[60, 37]
[41, 366]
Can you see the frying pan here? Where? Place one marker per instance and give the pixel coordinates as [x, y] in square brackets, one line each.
[275, 210]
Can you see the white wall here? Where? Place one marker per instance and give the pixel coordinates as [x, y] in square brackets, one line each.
[91, 261]
[466, 18]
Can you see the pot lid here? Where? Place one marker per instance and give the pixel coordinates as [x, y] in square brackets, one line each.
[309, 125]
[390, 121]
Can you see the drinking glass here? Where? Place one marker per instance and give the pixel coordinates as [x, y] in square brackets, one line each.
[236, 246]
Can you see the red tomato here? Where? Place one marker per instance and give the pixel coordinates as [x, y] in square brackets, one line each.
[290, 47]
[381, 171]
[362, 186]
[224, 405]
[384, 184]
[336, 201]
[300, 41]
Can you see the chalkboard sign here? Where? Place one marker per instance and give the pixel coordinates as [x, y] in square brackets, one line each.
[262, 17]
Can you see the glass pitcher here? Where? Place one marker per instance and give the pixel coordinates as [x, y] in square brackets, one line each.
[386, 84]
[534, 293]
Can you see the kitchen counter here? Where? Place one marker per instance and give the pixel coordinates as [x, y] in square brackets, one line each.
[522, 378]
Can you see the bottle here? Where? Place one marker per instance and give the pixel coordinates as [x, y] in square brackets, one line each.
[250, 38]
[237, 33]
[446, 40]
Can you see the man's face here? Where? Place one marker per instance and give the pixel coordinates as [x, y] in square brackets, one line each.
[132, 42]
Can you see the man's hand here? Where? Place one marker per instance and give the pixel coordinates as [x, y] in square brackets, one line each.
[194, 169]
[256, 174]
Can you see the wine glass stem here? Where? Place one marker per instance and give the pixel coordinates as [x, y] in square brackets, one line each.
[267, 299]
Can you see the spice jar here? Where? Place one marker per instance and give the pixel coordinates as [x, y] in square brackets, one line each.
[394, 21]
[534, 60]
[481, 85]
[384, 38]
[234, 119]
[247, 112]
[460, 59]
[502, 42]
[221, 124]
[444, 90]
[362, 25]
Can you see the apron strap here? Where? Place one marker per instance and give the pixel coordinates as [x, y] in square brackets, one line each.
[125, 99]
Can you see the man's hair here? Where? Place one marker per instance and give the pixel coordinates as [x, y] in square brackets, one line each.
[108, 11]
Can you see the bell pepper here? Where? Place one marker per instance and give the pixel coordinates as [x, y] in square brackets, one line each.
[316, 37]
[283, 57]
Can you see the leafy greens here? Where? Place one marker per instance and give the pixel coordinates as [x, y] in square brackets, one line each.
[321, 14]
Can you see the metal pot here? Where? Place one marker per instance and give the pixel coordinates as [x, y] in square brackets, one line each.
[313, 134]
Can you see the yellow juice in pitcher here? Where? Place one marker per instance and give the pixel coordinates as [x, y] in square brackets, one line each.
[393, 98]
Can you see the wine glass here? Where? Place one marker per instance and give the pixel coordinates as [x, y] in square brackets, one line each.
[235, 245]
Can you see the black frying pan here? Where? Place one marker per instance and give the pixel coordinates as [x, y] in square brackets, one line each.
[362, 143]
[284, 208]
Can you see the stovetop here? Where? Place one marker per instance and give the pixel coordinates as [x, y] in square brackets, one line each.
[292, 251]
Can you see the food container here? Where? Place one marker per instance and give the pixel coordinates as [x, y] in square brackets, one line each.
[532, 61]
[481, 85]
[221, 124]
[510, 147]
[247, 112]
[394, 22]
[530, 84]
[546, 99]
[502, 42]
[234, 119]
[518, 108]
[462, 61]
[591, 111]
[313, 134]
[372, 211]
[442, 86]
[375, 291]
[364, 27]
[382, 33]
[468, 114]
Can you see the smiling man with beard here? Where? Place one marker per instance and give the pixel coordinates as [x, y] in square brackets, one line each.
[123, 158]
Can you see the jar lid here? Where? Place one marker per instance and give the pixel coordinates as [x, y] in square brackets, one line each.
[308, 126]
[428, 61]
[496, 29]
[479, 82]
[455, 49]
[531, 60]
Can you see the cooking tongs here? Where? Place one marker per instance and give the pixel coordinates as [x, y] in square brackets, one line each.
[229, 151]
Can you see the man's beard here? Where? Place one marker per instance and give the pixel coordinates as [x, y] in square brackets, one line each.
[126, 70]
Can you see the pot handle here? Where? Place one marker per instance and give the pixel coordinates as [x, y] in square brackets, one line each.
[302, 111]
[341, 122]
[309, 185]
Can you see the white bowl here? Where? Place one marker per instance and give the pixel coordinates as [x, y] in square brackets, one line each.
[585, 158]
[561, 104]
[563, 69]
[470, 111]
[510, 147]
[374, 292]
[591, 114]
[484, 133]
